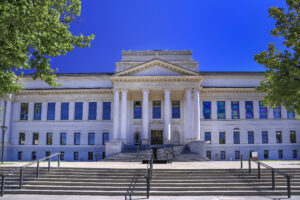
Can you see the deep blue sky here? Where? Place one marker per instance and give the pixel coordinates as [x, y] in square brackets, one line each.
[224, 35]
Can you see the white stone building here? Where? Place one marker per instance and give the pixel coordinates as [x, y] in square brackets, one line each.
[155, 97]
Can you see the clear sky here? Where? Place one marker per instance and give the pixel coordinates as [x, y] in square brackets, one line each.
[224, 35]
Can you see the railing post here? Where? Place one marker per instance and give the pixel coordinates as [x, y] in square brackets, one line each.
[258, 170]
[37, 169]
[2, 185]
[148, 186]
[241, 157]
[249, 162]
[49, 160]
[273, 180]
[21, 178]
[288, 186]
[58, 161]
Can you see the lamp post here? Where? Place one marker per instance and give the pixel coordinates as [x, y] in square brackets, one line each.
[3, 128]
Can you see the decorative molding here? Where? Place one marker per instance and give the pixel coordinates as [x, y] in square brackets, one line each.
[228, 90]
[156, 78]
[64, 91]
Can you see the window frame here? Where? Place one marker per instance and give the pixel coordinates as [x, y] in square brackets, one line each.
[90, 134]
[34, 138]
[78, 113]
[206, 109]
[61, 138]
[156, 110]
[235, 111]
[221, 112]
[92, 115]
[137, 110]
[22, 138]
[51, 110]
[75, 138]
[106, 111]
[220, 139]
[24, 113]
[176, 109]
[37, 115]
[265, 134]
[49, 138]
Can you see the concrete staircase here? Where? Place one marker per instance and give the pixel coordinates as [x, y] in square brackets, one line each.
[181, 152]
[165, 182]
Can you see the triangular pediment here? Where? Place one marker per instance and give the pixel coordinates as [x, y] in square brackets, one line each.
[156, 68]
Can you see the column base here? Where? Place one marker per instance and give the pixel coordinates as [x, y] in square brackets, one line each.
[113, 147]
[167, 141]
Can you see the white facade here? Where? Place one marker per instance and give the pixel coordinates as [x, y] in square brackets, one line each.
[145, 78]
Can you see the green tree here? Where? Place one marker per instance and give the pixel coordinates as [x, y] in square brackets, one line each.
[282, 77]
[31, 33]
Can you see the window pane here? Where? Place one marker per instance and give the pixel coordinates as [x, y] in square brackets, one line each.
[37, 114]
[236, 137]
[105, 138]
[208, 137]
[156, 110]
[91, 138]
[78, 110]
[222, 139]
[92, 110]
[24, 111]
[35, 138]
[221, 109]
[77, 138]
[291, 114]
[265, 137]
[206, 109]
[250, 137]
[278, 137]
[20, 155]
[21, 138]
[76, 156]
[280, 154]
[249, 109]
[208, 155]
[63, 138]
[137, 110]
[91, 156]
[293, 136]
[49, 139]
[266, 154]
[294, 153]
[277, 112]
[33, 155]
[235, 110]
[106, 111]
[175, 109]
[62, 155]
[237, 154]
[223, 155]
[51, 111]
[263, 111]
[64, 111]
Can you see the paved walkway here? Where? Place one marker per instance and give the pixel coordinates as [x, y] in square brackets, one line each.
[70, 197]
[174, 165]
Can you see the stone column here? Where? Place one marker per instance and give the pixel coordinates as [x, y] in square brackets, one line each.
[242, 110]
[123, 115]
[228, 110]
[167, 116]
[145, 115]
[189, 119]
[197, 114]
[116, 115]
[8, 121]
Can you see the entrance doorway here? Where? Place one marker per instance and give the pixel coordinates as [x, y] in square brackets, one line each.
[176, 137]
[156, 137]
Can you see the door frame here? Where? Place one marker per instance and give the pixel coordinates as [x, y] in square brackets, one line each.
[162, 136]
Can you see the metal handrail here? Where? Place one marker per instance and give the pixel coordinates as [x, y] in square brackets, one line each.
[288, 177]
[21, 169]
[148, 174]
[133, 182]
[138, 151]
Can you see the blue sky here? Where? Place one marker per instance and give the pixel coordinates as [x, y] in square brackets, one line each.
[224, 35]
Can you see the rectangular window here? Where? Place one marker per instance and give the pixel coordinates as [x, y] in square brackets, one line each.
[222, 138]
[263, 111]
[236, 137]
[266, 154]
[47, 154]
[35, 138]
[91, 138]
[206, 109]
[78, 110]
[91, 156]
[77, 138]
[249, 109]
[295, 153]
[280, 154]
[92, 110]
[291, 114]
[21, 138]
[207, 137]
[208, 155]
[51, 111]
[137, 110]
[277, 112]
[33, 155]
[62, 155]
[250, 137]
[63, 138]
[264, 135]
[250, 153]
[237, 155]
[64, 115]
[278, 137]
[24, 111]
[37, 113]
[221, 109]
[223, 155]
[106, 111]
[76, 156]
[20, 155]
[235, 110]
[105, 138]
[293, 136]
[175, 109]
[156, 114]
[49, 139]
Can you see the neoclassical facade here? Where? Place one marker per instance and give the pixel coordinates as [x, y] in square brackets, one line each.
[154, 97]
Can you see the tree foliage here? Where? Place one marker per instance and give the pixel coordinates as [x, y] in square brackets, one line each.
[31, 33]
[282, 83]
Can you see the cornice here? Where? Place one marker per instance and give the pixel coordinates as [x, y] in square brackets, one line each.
[65, 91]
[227, 90]
[155, 78]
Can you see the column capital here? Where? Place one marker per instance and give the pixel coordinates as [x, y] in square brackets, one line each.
[116, 90]
[167, 90]
[188, 89]
[196, 90]
[145, 90]
[124, 90]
